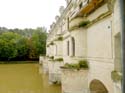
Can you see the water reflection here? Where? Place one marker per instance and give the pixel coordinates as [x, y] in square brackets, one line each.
[25, 78]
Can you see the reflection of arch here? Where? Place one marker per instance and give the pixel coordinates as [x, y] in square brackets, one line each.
[97, 86]
[73, 46]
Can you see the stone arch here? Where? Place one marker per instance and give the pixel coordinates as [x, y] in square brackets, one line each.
[97, 86]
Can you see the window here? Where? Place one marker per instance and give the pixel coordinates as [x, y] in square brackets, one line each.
[80, 5]
[73, 46]
[68, 23]
[67, 48]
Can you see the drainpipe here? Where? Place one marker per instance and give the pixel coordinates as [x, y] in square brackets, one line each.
[122, 8]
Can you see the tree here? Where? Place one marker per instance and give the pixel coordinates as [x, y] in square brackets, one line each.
[39, 41]
[20, 44]
[22, 47]
[8, 44]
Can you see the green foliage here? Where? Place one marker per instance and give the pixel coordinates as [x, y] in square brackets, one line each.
[84, 23]
[22, 47]
[81, 24]
[82, 64]
[52, 57]
[8, 42]
[72, 66]
[39, 41]
[27, 43]
[51, 43]
[60, 38]
[116, 76]
[59, 59]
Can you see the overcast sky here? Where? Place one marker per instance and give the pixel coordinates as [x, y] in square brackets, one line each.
[28, 13]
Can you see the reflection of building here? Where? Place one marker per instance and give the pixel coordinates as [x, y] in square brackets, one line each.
[90, 29]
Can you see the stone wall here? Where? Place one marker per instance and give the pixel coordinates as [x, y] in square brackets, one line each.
[116, 42]
[99, 40]
[74, 81]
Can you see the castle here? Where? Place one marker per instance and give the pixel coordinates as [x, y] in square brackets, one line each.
[89, 30]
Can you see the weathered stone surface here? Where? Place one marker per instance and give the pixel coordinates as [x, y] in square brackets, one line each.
[55, 71]
[73, 80]
[99, 43]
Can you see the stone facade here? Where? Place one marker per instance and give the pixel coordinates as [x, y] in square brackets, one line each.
[90, 29]
[55, 71]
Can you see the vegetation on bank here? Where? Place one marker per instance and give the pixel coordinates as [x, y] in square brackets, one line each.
[26, 44]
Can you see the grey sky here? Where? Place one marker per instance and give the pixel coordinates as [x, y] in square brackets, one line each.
[28, 13]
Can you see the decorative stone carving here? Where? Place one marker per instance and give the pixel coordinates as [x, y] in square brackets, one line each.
[61, 9]
[56, 18]
[52, 25]
[110, 5]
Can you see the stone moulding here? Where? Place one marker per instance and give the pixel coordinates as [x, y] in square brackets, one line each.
[86, 23]
[91, 7]
[110, 5]
[99, 18]
[89, 23]
[77, 22]
[72, 69]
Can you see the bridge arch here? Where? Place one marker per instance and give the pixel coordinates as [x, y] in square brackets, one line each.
[96, 86]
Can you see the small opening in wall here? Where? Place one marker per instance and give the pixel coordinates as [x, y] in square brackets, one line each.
[80, 5]
[68, 23]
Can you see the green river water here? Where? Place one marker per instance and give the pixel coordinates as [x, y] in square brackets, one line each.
[25, 78]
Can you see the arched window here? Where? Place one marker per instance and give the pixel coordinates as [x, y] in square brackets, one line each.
[67, 48]
[73, 46]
